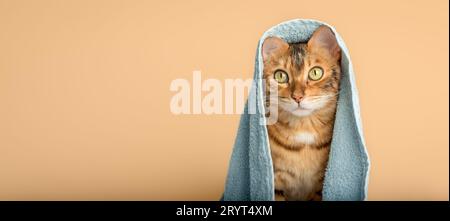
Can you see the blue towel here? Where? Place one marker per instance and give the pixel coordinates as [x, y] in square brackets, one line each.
[250, 174]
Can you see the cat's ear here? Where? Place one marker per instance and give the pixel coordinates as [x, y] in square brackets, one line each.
[273, 45]
[324, 38]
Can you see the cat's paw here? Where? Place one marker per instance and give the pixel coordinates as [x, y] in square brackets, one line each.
[279, 195]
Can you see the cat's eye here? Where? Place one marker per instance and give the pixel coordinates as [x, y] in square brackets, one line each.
[281, 76]
[315, 73]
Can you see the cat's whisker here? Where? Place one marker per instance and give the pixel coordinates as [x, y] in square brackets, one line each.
[321, 97]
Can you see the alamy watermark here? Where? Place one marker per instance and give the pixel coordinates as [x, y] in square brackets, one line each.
[212, 96]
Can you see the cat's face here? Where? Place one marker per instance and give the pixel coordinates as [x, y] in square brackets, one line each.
[307, 75]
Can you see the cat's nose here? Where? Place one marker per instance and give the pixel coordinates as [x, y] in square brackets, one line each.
[297, 97]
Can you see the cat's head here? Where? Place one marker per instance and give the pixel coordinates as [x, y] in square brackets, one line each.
[306, 75]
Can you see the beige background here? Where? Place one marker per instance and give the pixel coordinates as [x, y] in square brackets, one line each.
[84, 94]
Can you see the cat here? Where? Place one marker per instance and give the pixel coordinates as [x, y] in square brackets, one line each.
[306, 77]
